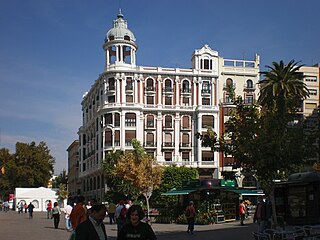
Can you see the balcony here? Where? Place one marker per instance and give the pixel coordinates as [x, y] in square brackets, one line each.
[168, 126]
[150, 124]
[185, 91]
[150, 145]
[150, 89]
[168, 145]
[249, 87]
[206, 91]
[111, 90]
[185, 146]
[167, 90]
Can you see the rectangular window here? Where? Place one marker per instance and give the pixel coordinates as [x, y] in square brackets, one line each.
[313, 92]
[207, 156]
[150, 100]
[185, 156]
[207, 121]
[129, 135]
[167, 101]
[248, 99]
[111, 99]
[185, 101]
[205, 101]
[311, 78]
[168, 156]
[117, 138]
[129, 98]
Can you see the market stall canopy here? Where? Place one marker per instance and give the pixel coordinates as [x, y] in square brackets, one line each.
[179, 192]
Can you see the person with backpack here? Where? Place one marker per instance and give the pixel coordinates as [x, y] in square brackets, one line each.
[120, 215]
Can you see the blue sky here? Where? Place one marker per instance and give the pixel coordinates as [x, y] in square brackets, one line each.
[51, 51]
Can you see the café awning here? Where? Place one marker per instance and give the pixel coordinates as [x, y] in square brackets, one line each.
[179, 192]
[247, 192]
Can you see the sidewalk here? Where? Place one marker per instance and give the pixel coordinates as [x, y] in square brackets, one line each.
[18, 227]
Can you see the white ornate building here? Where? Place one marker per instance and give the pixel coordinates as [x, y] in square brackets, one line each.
[161, 107]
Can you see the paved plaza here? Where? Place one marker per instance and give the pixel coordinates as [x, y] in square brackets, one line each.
[16, 226]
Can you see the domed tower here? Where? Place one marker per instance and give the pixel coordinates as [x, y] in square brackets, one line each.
[120, 45]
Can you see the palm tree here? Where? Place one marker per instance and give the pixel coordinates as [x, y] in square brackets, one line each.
[283, 88]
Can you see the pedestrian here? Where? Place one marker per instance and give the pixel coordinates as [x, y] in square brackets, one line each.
[20, 208]
[190, 215]
[6, 206]
[93, 228]
[260, 214]
[111, 212]
[49, 209]
[25, 207]
[56, 212]
[78, 213]
[243, 212]
[134, 228]
[30, 210]
[67, 211]
[120, 215]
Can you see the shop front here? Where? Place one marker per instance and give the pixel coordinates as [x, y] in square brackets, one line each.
[208, 195]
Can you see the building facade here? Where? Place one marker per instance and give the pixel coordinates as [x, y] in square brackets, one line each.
[74, 183]
[162, 107]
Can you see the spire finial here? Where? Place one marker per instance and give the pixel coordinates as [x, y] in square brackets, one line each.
[120, 15]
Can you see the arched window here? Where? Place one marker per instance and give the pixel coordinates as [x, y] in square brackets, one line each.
[185, 86]
[168, 86]
[126, 37]
[229, 82]
[150, 85]
[249, 83]
[167, 83]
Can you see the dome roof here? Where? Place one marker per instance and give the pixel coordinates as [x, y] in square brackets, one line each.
[120, 30]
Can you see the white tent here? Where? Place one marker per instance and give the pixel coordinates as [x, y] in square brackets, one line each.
[38, 196]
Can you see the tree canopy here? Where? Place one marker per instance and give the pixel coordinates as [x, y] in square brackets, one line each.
[30, 166]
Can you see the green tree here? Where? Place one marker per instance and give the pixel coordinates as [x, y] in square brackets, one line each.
[140, 169]
[30, 166]
[173, 177]
[117, 187]
[62, 178]
[5, 160]
[62, 192]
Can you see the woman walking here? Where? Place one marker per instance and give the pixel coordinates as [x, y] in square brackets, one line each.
[56, 215]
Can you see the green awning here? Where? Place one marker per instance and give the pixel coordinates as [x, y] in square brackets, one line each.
[247, 192]
[179, 192]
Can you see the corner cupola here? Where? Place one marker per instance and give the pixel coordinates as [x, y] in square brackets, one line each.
[120, 45]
